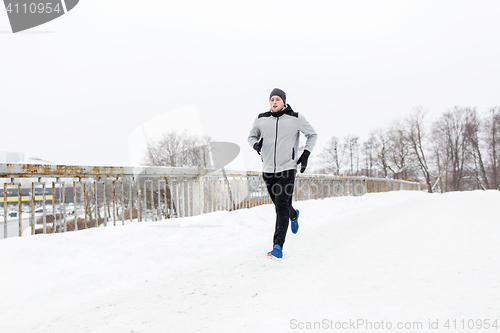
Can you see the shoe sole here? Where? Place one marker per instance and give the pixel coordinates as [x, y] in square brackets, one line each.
[270, 256]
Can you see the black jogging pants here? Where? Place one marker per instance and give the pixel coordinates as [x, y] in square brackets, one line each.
[280, 186]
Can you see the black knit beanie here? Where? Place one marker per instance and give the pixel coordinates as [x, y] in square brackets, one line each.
[280, 93]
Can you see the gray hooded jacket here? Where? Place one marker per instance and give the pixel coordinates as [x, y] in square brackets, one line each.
[280, 132]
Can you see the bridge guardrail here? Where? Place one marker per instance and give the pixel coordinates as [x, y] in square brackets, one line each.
[61, 198]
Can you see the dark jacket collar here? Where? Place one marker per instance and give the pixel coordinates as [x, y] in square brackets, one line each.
[286, 109]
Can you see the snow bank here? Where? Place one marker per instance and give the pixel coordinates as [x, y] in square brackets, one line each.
[390, 258]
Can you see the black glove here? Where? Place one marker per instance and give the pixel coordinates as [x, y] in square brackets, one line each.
[303, 160]
[258, 146]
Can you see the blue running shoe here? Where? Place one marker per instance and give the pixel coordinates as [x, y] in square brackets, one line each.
[295, 223]
[276, 253]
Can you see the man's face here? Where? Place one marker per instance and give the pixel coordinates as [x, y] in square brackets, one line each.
[276, 103]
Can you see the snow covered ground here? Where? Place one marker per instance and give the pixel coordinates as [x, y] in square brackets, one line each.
[400, 262]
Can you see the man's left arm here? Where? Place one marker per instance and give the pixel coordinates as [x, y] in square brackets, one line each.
[311, 137]
[309, 133]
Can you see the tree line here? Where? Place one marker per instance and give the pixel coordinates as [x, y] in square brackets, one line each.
[178, 149]
[460, 150]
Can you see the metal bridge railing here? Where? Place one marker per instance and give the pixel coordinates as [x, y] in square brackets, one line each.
[61, 198]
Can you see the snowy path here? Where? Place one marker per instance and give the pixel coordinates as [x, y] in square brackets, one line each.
[401, 258]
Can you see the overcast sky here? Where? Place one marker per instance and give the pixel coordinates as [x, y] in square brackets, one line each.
[78, 89]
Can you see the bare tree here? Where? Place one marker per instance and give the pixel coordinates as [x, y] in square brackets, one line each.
[398, 153]
[332, 156]
[441, 158]
[414, 134]
[492, 131]
[165, 151]
[179, 149]
[449, 130]
[352, 147]
[368, 151]
[381, 146]
[196, 151]
[472, 129]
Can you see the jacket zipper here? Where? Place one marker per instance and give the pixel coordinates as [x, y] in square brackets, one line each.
[276, 143]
